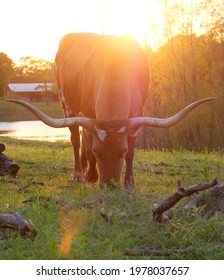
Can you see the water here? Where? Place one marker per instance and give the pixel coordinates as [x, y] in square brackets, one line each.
[33, 130]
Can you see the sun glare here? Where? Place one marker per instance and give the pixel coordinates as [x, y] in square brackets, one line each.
[139, 19]
[35, 29]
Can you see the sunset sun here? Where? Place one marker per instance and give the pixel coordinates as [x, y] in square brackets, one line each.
[140, 19]
[137, 18]
[36, 31]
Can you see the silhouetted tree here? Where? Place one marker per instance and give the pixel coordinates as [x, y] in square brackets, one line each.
[6, 71]
[33, 70]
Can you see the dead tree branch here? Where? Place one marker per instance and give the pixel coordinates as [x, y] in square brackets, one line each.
[7, 166]
[153, 252]
[16, 222]
[105, 216]
[177, 196]
[165, 253]
[90, 203]
[2, 147]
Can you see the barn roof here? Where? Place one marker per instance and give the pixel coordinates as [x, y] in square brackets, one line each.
[32, 87]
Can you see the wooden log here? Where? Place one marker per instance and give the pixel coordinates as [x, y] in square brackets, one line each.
[15, 221]
[177, 196]
[7, 166]
[2, 147]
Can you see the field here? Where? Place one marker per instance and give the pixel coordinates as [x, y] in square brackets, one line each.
[13, 112]
[85, 222]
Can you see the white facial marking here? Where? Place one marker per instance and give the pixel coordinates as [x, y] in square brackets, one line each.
[101, 133]
[123, 129]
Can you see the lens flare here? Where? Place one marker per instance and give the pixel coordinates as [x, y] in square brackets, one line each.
[72, 222]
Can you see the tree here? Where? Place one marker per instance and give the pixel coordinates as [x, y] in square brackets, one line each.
[189, 66]
[204, 127]
[6, 71]
[33, 70]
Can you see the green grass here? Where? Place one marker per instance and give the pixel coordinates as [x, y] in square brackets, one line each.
[57, 208]
[13, 112]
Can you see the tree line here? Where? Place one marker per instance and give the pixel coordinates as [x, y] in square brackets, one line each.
[185, 69]
[30, 70]
[189, 66]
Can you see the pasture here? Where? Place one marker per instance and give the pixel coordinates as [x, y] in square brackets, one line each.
[11, 112]
[85, 222]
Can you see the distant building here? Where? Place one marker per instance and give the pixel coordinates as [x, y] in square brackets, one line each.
[31, 92]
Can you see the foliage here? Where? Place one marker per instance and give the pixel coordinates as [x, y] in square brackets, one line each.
[6, 71]
[189, 66]
[33, 70]
[67, 215]
[185, 69]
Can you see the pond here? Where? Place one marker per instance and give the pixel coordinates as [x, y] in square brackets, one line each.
[33, 130]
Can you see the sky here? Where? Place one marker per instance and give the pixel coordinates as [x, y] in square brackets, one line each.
[35, 27]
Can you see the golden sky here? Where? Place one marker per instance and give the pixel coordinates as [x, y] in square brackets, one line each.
[35, 27]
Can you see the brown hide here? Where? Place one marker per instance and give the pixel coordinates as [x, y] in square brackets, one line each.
[104, 78]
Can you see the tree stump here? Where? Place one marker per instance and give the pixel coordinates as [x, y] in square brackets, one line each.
[7, 166]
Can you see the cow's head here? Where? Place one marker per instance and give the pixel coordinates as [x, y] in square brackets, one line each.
[109, 145]
[109, 138]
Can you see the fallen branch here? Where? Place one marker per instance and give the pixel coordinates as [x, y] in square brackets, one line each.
[7, 166]
[2, 147]
[153, 252]
[24, 189]
[212, 202]
[131, 193]
[15, 221]
[165, 253]
[169, 202]
[90, 203]
[106, 217]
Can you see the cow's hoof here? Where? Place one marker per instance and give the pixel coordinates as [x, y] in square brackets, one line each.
[91, 176]
[129, 183]
[78, 178]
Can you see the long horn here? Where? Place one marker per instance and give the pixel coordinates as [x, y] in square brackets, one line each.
[137, 122]
[56, 123]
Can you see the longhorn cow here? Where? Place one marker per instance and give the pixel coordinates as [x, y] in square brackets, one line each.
[103, 82]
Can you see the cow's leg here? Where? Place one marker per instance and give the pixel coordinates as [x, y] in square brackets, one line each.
[91, 173]
[129, 178]
[83, 159]
[75, 139]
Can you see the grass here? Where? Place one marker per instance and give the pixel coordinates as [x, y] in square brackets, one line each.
[70, 226]
[13, 112]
